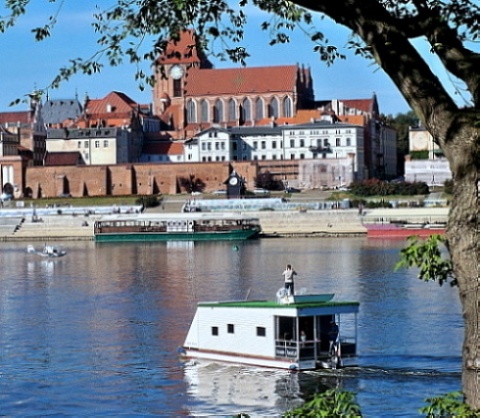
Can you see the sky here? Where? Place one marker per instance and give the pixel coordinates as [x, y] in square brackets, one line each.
[29, 65]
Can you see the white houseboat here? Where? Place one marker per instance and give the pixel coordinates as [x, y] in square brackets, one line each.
[301, 332]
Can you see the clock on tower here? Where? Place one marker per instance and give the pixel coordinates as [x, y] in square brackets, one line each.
[234, 186]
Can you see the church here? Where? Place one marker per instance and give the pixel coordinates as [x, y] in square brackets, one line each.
[190, 95]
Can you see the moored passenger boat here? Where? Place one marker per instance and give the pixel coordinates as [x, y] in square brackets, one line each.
[176, 227]
[301, 332]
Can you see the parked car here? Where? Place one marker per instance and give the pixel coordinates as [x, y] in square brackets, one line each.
[6, 196]
[292, 190]
[219, 192]
[261, 191]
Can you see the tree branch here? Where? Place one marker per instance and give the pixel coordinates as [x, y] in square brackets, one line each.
[393, 52]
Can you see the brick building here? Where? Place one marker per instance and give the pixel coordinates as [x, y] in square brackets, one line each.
[194, 96]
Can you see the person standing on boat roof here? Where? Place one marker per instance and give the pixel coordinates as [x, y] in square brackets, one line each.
[288, 276]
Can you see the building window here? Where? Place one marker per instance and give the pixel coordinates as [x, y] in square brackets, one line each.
[302, 156]
[274, 144]
[214, 330]
[85, 144]
[232, 111]
[230, 328]
[79, 144]
[287, 107]
[302, 142]
[349, 142]
[337, 142]
[255, 144]
[217, 146]
[261, 332]
[177, 88]
[204, 111]
[218, 111]
[273, 108]
[97, 144]
[105, 144]
[246, 110]
[292, 143]
[191, 112]
[264, 144]
[259, 109]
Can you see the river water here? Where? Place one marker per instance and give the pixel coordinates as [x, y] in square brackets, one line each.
[97, 331]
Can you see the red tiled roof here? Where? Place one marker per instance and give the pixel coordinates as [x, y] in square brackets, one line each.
[354, 119]
[118, 102]
[365, 105]
[236, 81]
[13, 117]
[164, 148]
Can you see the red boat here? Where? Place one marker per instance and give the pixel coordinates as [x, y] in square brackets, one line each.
[403, 230]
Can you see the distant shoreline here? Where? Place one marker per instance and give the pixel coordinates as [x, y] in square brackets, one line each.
[275, 224]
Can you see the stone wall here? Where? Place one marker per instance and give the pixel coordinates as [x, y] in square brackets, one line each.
[130, 179]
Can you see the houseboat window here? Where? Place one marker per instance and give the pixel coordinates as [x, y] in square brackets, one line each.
[261, 332]
[214, 330]
[285, 327]
[230, 328]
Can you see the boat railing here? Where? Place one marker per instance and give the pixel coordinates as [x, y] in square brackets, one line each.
[286, 348]
[305, 350]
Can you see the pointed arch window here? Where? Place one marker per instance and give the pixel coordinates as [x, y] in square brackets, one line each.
[191, 112]
[232, 110]
[273, 108]
[259, 109]
[218, 111]
[287, 107]
[246, 110]
[203, 111]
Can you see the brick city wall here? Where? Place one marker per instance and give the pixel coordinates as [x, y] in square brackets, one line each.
[128, 179]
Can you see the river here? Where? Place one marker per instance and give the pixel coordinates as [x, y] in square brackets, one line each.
[96, 332]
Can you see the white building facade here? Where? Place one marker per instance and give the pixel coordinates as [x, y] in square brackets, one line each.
[432, 170]
[97, 146]
[315, 141]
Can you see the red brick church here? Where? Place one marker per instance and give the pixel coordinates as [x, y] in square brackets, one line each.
[191, 95]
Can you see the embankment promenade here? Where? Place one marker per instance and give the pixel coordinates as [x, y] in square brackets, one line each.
[77, 224]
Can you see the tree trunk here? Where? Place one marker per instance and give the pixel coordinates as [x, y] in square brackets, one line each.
[464, 247]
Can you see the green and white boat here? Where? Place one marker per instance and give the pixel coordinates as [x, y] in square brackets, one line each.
[195, 226]
[291, 332]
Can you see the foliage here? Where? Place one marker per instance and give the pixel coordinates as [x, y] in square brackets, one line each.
[148, 201]
[375, 187]
[266, 180]
[402, 123]
[329, 404]
[427, 256]
[192, 184]
[419, 155]
[448, 405]
[448, 187]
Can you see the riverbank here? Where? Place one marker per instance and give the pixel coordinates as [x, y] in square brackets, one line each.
[78, 225]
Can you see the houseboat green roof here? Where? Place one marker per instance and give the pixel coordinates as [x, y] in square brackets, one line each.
[273, 304]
